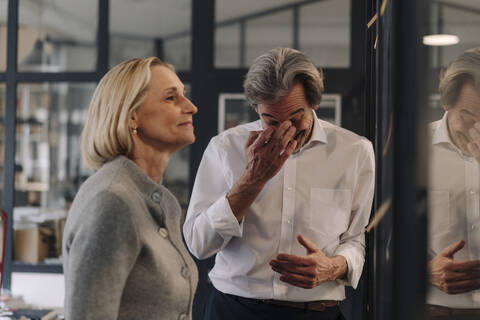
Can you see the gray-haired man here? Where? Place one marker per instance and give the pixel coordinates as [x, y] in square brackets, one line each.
[282, 201]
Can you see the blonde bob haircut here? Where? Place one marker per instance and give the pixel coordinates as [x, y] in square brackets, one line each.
[120, 92]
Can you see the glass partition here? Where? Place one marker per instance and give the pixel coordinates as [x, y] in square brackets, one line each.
[48, 165]
[453, 189]
[57, 35]
[140, 29]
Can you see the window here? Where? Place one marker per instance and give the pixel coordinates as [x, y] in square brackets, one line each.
[57, 35]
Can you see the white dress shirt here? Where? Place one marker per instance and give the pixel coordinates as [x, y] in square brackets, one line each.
[454, 212]
[324, 192]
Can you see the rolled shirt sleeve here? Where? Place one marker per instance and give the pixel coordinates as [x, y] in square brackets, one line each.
[210, 222]
[352, 242]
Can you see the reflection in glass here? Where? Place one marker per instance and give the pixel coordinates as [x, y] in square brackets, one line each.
[324, 33]
[140, 29]
[454, 198]
[57, 35]
[268, 32]
[48, 166]
[460, 18]
[3, 35]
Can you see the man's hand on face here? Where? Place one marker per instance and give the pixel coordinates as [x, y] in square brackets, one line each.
[473, 146]
[454, 277]
[266, 151]
[311, 270]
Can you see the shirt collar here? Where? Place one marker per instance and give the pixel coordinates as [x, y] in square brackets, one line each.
[442, 137]
[441, 132]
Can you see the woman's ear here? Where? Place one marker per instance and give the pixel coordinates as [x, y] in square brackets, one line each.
[133, 122]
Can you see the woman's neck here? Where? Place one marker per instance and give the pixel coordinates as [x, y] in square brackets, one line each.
[151, 161]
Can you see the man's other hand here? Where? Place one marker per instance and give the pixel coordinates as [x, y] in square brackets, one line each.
[311, 270]
[454, 277]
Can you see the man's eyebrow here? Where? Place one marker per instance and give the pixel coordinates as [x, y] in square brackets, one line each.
[301, 109]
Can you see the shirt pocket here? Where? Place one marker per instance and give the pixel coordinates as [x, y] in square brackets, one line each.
[438, 212]
[330, 211]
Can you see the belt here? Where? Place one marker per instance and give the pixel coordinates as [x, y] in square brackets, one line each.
[319, 305]
[441, 311]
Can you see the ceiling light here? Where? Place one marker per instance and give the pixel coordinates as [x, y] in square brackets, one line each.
[440, 40]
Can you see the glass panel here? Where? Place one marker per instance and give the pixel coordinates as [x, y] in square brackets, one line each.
[453, 161]
[2, 137]
[177, 174]
[48, 166]
[140, 29]
[268, 32]
[324, 33]
[57, 35]
[227, 46]
[454, 20]
[177, 52]
[3, 35]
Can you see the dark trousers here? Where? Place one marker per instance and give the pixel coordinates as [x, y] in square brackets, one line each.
[221, 306]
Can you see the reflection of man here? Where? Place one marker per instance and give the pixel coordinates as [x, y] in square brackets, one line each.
[283, 201]
[454, 266]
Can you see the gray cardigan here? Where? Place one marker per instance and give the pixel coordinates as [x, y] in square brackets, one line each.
[124, 257]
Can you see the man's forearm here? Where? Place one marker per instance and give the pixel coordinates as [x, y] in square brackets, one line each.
[242, 195]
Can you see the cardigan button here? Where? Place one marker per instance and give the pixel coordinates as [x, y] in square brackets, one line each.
[156, 197]
[163, 232]
[182, 316]
[185, 272]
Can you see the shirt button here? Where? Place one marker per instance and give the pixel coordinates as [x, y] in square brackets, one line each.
[185, 272]
[182, 316]
[289, 188]
[156, 197]
[288, 221]
[472, 192]
[473, 227]
[163, 232]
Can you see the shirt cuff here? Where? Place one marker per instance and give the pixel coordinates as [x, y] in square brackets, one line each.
[354, 266]
[222, 219]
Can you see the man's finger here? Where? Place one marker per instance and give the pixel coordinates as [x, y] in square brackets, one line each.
[462, 286]
[472, 265]
[251, 138]
[264, 137]
[297, 260]
[461, 276]
[288, 150]
[452, 249]
[309, 245]
[294, 276]
[292, 268]
[288, 137]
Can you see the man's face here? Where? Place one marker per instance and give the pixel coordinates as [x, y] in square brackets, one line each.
[463, 115]
[294, 107]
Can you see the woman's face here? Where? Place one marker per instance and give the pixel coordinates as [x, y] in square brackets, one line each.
[164, 120]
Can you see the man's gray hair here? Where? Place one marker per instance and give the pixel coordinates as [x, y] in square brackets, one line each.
[465, 67]
[273, 74]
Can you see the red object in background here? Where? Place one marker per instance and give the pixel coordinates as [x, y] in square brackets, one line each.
[4, 223]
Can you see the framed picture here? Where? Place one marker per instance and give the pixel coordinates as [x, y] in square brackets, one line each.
[233, 110]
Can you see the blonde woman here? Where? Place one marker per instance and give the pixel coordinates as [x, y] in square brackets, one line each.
[124, 257]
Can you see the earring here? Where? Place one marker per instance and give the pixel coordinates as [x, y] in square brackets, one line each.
[134, 130]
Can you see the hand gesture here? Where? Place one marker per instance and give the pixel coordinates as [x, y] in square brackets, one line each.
[266, 152]
[451, 276]
[311, 270]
